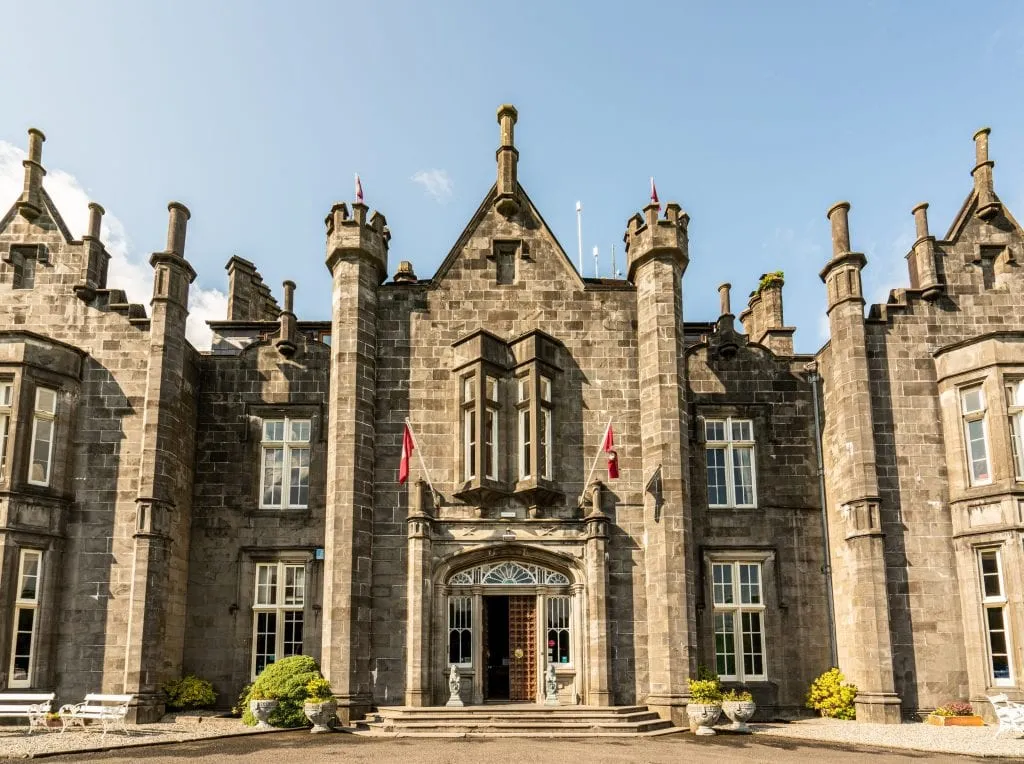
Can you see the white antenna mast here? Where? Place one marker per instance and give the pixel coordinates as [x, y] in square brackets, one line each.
[597, 273]
[579, 233]
[615, 268]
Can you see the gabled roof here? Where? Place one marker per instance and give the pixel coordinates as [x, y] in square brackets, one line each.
[49, 208]
[966, 214]
[477, 219]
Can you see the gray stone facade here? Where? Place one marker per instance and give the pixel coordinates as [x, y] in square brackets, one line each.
[207, 512]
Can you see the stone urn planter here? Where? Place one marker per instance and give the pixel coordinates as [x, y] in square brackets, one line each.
[702, 716]
[739, 712]
[262, 709]
[321, 714]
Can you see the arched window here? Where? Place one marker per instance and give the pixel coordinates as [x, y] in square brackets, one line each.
[508, 573]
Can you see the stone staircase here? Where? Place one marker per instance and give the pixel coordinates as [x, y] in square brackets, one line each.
[514, 720]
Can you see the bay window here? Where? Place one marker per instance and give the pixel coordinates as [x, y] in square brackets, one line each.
[284, 479]
[26, 604]
[278, 616]
[729, 449]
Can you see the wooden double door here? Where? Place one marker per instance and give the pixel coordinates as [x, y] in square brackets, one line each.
[510, 647]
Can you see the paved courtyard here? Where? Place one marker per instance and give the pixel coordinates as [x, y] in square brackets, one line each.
[282, 748]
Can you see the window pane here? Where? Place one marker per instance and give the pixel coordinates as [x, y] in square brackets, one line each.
[544, 447]
[29, 576]
[469, 436]
[6, 391]
[991, 584]
[273, 475]
[717, 489]
[266, 584]
[24, 621]
[298, 431]
[742, 429]
[46, 400]
[524, 389]
[469, 388]
[292, 644]
[725, 644]
[525, 468]
[298, 487]
[978, 449]
[997, 643]
[491, 444]
[714, 430]
[273, 430]
[545, 389]
[5, 421]
[972, 400]
[1017, 442]
[39, 471]
[750, 584]
[743, 474]
[753, 649]
[294, 584]
[266, 640]
[492, 389]
[722, 583]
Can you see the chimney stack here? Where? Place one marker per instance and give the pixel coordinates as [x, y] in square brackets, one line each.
[286, 338]
[96, 213]
[988, 207]
[838, 215]
[508, 183]
[924, 275]
[30, 205]
[176, 225]
[724, 306]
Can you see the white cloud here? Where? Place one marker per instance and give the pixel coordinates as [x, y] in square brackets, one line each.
[437, 183]
[126, 271]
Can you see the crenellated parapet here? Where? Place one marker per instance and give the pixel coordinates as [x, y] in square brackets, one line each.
[350, 235]
[648, 236]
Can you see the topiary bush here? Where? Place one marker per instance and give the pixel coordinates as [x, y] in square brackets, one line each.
[832, 695]
[189, 692]
[285, 680]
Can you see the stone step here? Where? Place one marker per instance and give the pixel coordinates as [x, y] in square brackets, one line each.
[634, 717]
[509, 709]
[669, 730]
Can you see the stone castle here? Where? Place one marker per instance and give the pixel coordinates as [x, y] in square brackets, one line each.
[167, 511]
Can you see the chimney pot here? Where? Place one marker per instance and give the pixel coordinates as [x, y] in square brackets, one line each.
[838, 216]
[289, 296]
[96, 213]
[176, 224]
[725, 307]
[35, 145]
[921, 219]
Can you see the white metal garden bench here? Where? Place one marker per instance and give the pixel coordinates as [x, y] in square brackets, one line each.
[33, 706]
[1009, 713]
[111, 710]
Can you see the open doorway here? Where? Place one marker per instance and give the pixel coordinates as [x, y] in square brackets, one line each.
[510, 650]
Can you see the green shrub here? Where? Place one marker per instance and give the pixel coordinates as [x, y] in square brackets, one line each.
[189, 692]
[706, 688]
[318, 690]
[242, 702]
[285, 681]
[741, 696]
[832, 695]
[768, 280]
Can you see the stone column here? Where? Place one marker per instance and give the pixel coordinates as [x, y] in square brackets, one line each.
[597, 683]
[418, 597]
[156, 627]
[858, 550]
[357, 260]
[657, 254]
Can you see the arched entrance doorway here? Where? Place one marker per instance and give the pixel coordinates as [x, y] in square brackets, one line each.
[503, 621]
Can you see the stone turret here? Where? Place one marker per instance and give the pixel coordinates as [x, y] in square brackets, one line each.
[854, 511]
[657, 252]
[357, 258]
[30, 203]
[507, 202]
[155, 638]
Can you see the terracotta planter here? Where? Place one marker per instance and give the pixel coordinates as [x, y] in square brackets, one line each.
[739, 713]
[955, 721]
[262, 709]
[322, 714]
[702, 716]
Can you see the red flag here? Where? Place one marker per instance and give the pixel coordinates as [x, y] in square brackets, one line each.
[408, 446]
[608, 446]
[654, 193]
[359, 189]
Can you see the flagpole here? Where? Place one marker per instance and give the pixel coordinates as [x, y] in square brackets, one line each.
[597, 455]
[416, 448]
[579, 233]
[597, 273]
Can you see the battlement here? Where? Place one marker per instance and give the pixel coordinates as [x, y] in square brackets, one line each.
[648, 235]
[351, 233]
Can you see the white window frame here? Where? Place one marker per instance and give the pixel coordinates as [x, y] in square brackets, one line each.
[278, 605]
[736, 608]
[6, 416]
[22, 604]
[287, 446]
[1000, 603]
[491, 411]
[1015, 417]
[730, 448]
[968, 417]
[558, 606]
[40, 415]
[524, 396]
[546, 414]
[460, 621]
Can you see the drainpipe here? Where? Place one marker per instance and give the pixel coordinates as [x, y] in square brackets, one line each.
[812, 369]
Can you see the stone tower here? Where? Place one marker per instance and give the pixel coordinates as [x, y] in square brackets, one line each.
[657, 256]
[357, 257]
[858, 559]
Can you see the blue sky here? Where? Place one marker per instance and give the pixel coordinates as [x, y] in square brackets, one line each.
[756, 117]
